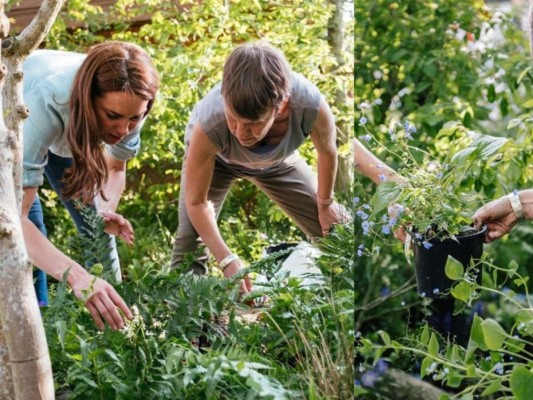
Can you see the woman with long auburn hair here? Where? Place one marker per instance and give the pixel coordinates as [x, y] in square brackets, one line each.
[86, 113]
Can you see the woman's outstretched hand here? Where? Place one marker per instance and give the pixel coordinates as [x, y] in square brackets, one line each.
[101, 299]
[116, 224]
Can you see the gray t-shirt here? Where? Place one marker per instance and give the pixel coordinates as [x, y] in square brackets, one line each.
[48, 79]
[304, 102]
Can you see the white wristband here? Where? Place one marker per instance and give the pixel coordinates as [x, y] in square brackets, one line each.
[322, 201]
[516, 204]
[227, 261]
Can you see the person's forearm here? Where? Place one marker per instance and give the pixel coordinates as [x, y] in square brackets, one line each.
[204, 221]
[112, 190]
[526, 199]
[326, 171]
[47, 257]
[371, 166]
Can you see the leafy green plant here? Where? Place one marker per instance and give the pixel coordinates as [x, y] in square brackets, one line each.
[496, 362]
[192, 338]
[424, 200]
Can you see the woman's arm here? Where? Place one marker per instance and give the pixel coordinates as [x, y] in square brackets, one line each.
[116, 224]
[101, 298]
[371, 166]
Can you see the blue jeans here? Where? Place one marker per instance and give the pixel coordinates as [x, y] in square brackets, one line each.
[54, 171]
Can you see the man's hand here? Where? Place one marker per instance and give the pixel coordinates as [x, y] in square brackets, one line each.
[116, 224]
[234, 268]
[498, 216]
[102, 300]
[329, 215]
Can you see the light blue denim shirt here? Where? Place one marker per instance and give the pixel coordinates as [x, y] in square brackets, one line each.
[48, 79]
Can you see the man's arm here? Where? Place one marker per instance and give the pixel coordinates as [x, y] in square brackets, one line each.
[200, 163]
[324, 138]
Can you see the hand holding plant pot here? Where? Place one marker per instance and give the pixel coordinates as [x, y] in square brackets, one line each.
[502, 214]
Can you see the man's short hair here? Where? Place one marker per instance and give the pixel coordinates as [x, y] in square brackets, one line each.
[256, 77]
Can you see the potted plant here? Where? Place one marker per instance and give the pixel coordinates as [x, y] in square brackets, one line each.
[431, 203]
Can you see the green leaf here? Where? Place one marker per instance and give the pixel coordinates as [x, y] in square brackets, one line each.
[493, 334]
[462, 155]
[454, 269]
[523, 75]
[514, 123]
[385, 337]
[488, 145]
[454, 379]
[492, 388]
[462, 291]
[477, 339]
[433, 347]
[491, 93]
[512, 267]
[521, 383]
[386, 193]
[524, 315]
[430, 69]
[424, 336]
[528, 104]
[426, 363]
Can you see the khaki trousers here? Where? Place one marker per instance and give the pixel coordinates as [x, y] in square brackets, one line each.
[291, 185]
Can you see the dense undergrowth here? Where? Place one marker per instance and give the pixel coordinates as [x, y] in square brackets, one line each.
[193, 338]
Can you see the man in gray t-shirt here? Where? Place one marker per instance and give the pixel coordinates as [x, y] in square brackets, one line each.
[250, 127]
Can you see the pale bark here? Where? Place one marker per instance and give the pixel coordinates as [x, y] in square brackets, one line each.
[25, 369]
[531, 25]
[335, 41]
[397, 385]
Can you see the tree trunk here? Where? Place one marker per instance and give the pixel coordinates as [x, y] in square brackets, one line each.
[530, 27]
[335, 41]
[25, 369]
[396, 385]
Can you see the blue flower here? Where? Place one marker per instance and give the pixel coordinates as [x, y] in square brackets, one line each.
[439, 175]
[356, 200]
[436, 291]
[366, 137]
[385, 229]
[366, 227]
[409, 127]
[360, 250]
[362, 120]
[369, 378]
[361, 214]
[427, 245]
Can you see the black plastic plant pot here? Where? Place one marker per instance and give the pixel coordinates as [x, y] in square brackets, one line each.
[430, 262]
